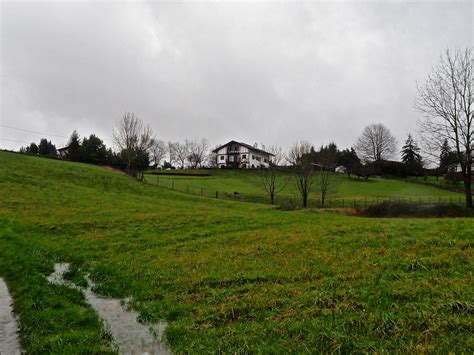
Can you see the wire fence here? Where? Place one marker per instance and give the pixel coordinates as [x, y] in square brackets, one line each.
[329, 202]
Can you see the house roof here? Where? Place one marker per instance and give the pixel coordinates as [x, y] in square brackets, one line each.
[244, 145]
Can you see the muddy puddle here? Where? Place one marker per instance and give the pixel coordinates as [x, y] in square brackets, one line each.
[130, 336]
[9, 339]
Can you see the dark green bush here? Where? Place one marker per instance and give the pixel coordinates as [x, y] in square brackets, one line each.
[288, 206]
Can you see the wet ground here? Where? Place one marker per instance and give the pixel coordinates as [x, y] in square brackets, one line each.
[130, 336]
[9, 340]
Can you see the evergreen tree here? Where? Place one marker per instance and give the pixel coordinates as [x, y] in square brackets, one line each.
[32, 149]
[74, 147]
[447, 157]
[47, 148]
[93, 150]
[349, 159]
[411, 156]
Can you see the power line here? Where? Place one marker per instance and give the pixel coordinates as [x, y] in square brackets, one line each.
[41, 133]
[13, 140]
[26, 130]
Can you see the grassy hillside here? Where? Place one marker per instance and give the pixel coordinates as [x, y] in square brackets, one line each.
[228, 276]
[247, 182]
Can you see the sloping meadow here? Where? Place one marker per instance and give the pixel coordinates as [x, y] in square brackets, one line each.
[226, 276]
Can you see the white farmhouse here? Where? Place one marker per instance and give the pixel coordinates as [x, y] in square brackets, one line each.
[240, 155]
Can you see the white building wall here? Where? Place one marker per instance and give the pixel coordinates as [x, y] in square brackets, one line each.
[250, 159]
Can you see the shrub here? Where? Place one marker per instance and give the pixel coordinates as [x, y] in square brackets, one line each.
[288, 206]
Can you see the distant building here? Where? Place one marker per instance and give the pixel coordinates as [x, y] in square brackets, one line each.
[456, 168]
[242, 156]
[340, 169]
[63, 153]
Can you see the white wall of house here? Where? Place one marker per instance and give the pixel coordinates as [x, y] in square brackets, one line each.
[248, 158]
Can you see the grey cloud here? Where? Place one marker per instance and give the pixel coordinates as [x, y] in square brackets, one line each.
[263, 72]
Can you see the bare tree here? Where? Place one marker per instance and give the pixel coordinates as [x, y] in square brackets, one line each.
[299, 158]
[278, 154]
[197, 153]
[172, 152]
[179, 153]
[447, 103]
[376, 143]
[212, 159]
[273, 182]
[326, 179]
[134, 140]
[159, 151]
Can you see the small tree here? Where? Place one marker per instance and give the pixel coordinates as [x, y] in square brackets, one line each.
[74, 147]
[299, 158]
[158, 152]
[447, 102]
[411, 156]
[197, 153]
[447, 157]
[47, 148]
[326, 178]
[134, 140]
[212, 160]
[376, 143]
[365, 171]
[179, 153]
[32, 149]
[349, 159]
[93, 150]
[273, 182]
[278, 155]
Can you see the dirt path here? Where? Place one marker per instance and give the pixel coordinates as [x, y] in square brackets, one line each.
[130, 336]
[9, 340]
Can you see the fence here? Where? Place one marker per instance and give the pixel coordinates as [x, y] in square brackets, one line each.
[282, 199]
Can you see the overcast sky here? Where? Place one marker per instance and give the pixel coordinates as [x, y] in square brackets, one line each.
[271, 73]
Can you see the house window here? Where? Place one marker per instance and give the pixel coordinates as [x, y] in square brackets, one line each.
[253, 156]
[244, 156]
[222, 157]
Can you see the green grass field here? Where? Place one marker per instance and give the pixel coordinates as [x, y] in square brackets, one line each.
[228, 277]
[247, 182]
